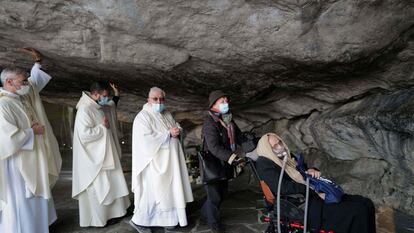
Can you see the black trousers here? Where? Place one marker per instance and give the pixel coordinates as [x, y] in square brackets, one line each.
[211, 207]
[353, 214]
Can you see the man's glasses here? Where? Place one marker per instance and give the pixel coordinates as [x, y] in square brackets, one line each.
[24, 82]
[156, 99]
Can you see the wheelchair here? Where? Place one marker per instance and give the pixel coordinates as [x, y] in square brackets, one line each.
[291, 209]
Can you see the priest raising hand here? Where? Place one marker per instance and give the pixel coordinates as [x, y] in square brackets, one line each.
[30, 160]
[98, 181]
[36, 55]
[109, 105]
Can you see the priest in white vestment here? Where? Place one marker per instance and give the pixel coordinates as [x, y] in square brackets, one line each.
[110, 103]
[160, 180]
[30, 160]
[98, 181]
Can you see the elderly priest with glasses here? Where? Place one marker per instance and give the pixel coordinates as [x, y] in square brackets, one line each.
[160, 179]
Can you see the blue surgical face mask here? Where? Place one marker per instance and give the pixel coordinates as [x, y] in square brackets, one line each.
[224, 108]
[103, 100]
[158, 107]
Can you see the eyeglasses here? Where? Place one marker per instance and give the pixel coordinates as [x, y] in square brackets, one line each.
[155, 99]
[24, 82]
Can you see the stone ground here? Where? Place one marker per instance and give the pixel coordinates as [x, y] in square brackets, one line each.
[239, 211]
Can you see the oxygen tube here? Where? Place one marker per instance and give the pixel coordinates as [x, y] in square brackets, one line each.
[285, 158]
[305, 224]
[278, 191]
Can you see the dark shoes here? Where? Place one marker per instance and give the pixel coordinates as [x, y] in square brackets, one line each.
[215, 227]
[140, 229]
[271, 228]
[113, 221]
[218, 228]
[173, 229]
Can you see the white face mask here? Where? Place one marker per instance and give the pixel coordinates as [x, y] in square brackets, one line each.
[158, 107]
[224, 108]
[24, 90]
[280, 152]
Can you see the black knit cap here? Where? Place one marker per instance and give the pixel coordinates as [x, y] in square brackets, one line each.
[99, 87]
[214, 96]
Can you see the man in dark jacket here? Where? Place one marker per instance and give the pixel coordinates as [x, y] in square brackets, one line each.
[221, 138]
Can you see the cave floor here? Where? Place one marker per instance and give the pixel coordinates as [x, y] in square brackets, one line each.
[239, 210]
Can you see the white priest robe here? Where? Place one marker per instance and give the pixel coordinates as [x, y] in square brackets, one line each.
[98, 181]
[160, 179]
[110, 113]
[29, 164]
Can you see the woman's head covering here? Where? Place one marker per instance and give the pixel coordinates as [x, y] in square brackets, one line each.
[264, 149]
[214, 96]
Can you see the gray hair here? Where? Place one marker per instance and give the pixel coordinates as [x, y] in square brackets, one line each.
[156, 89]
[11, 73]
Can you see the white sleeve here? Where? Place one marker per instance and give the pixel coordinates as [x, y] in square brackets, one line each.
[38, 77]
[28, 145]
[166, 143]
[88, 129]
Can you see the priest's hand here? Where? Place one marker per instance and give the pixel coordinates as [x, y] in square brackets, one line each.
[38, 129]
[174, 132]
[36, 55]
[115, 88]
[106, 122]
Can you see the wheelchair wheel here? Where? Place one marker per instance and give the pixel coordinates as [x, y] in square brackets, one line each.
[291, 212]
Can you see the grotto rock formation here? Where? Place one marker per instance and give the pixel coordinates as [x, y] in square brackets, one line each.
[334, 77]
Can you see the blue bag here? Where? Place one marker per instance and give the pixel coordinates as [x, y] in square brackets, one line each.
[333, 192]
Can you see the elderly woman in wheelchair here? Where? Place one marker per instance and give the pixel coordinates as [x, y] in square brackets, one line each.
[347, 213]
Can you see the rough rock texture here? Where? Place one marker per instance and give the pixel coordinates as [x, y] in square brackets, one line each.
[366, 145]
[333, 77]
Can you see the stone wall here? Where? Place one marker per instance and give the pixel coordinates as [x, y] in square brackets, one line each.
[334, 77]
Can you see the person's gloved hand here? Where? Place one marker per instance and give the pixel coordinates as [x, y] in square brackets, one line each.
[238, 161]
[239, 164]
[239, 152]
